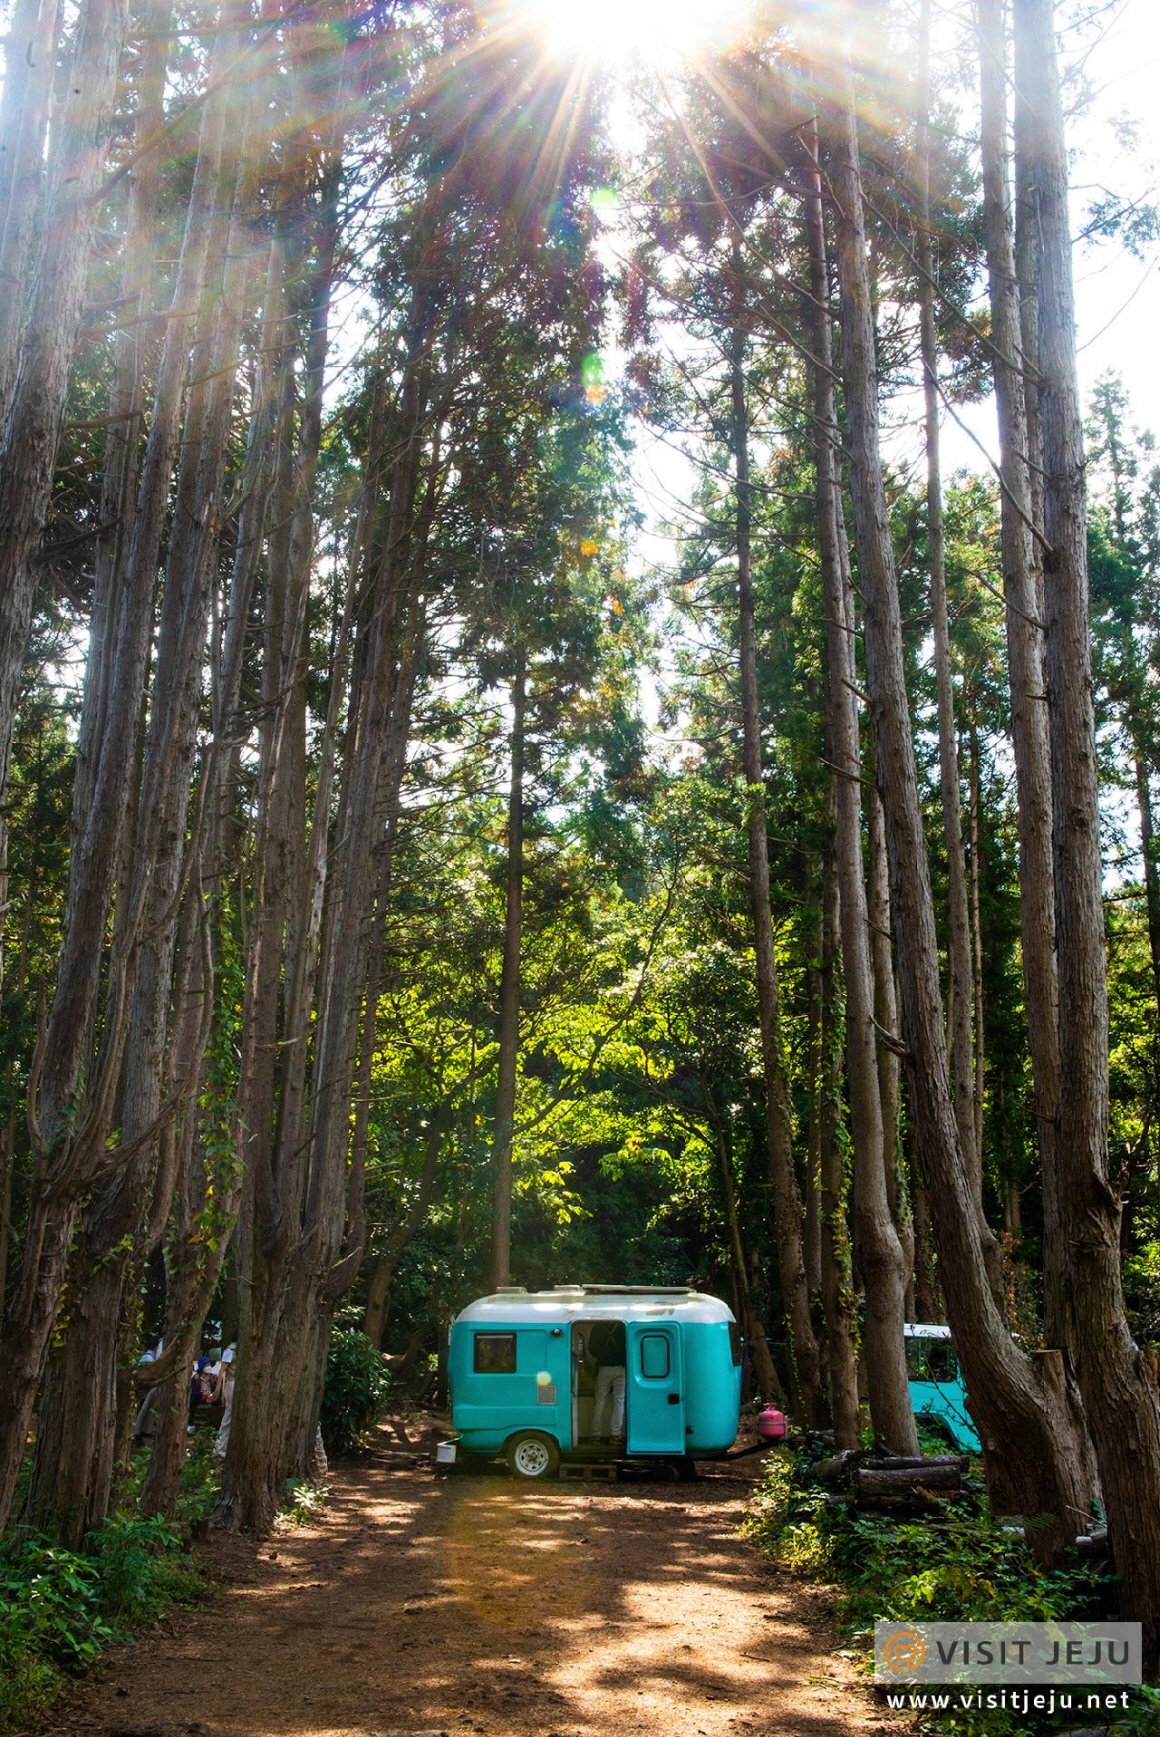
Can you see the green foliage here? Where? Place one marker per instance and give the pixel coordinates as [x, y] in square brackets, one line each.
[59, 1610]
[1142, 1294]
[355, 1395]
[141, 1567]
[301, 1502]
[964, 1566]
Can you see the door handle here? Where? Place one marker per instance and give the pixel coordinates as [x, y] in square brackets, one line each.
[674, 1399]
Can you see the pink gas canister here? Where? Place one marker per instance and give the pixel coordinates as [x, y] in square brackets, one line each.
[771, 1423]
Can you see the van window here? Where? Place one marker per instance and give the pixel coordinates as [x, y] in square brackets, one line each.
[654, 1356]
[941, 1360]
[931, 1360]
[495, 1353]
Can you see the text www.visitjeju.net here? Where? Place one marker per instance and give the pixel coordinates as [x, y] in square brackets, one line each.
[1011, 1700]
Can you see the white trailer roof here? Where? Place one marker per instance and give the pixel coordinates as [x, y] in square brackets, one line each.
[517, 1307]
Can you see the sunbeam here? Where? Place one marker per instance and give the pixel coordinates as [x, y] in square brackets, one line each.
[622, 34]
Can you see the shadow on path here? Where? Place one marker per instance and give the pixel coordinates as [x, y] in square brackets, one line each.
[476, 1605]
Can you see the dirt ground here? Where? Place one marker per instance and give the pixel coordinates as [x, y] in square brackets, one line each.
[420, 1605]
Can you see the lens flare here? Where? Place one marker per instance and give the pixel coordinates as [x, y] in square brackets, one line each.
[627, 33]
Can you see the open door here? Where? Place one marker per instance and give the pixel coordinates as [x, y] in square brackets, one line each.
[655, 1389]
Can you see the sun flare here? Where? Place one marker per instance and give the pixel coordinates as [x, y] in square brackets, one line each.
[626, 33]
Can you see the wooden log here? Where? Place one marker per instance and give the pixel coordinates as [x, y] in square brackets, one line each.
[913, 1504]
[897, 1463]
[870, 1481]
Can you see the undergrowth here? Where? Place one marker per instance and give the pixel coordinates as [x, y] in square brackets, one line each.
[59, 1608]
[357, 1384]
[961, 1566]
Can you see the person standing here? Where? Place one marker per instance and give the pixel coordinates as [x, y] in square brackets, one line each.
[606, 1343]
[224, 1394]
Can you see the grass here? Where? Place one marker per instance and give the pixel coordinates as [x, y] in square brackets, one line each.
[963, 1565]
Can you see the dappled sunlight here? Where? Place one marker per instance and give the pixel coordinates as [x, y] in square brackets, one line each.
[473, 1604]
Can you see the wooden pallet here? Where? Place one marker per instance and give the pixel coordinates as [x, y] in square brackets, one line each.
[607, 1469]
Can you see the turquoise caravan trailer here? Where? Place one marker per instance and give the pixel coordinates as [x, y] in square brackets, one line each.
[593, 1372]
[937, 1393]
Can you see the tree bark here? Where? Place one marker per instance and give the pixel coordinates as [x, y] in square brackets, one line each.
[974, 805]
[886, 1019]
[812, 1229]
[1121, 1400]
[837, 1255]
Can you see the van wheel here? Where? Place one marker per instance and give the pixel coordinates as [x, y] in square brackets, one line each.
[533, 1456]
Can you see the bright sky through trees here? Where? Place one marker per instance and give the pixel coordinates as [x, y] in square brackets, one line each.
[648, 32]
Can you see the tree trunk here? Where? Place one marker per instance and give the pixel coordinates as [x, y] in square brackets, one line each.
[509, 996]
[976, 877]
[1149, 854]
[32, 410]
[837, 1261]
[805, 1364]
[204, 1200]
[71, 1489]
[29, 61]
[72, 1152]
[1121, 1400]
[302, 1226]
[1033, 1451]
[812, 1232]
[878, 1251]
[961, 993]
[928, 1305]
[886, 1017]
[1013, 378]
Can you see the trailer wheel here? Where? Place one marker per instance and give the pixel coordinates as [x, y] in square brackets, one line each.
[532, 1456]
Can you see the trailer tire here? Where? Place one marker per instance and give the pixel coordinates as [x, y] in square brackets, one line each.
[532, 1456]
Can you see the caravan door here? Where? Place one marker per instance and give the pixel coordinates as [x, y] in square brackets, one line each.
[655, 1390]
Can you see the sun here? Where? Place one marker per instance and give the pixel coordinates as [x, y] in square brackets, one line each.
[622, 34]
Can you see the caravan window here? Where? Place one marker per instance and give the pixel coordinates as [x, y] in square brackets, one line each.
[941, 1362]
[654, 1356]
[495, 1353]
[931, 1359]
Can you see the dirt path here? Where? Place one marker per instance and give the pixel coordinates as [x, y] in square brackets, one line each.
[420, 1606]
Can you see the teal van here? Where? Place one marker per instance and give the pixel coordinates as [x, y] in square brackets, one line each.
[937, 1393]
[592, 1372]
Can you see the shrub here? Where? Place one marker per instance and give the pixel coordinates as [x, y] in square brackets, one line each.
[59, 1610]
[962, 1565]
[141, 1567]
[355, 1395]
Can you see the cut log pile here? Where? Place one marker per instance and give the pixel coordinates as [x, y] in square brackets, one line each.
[885, 1483]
